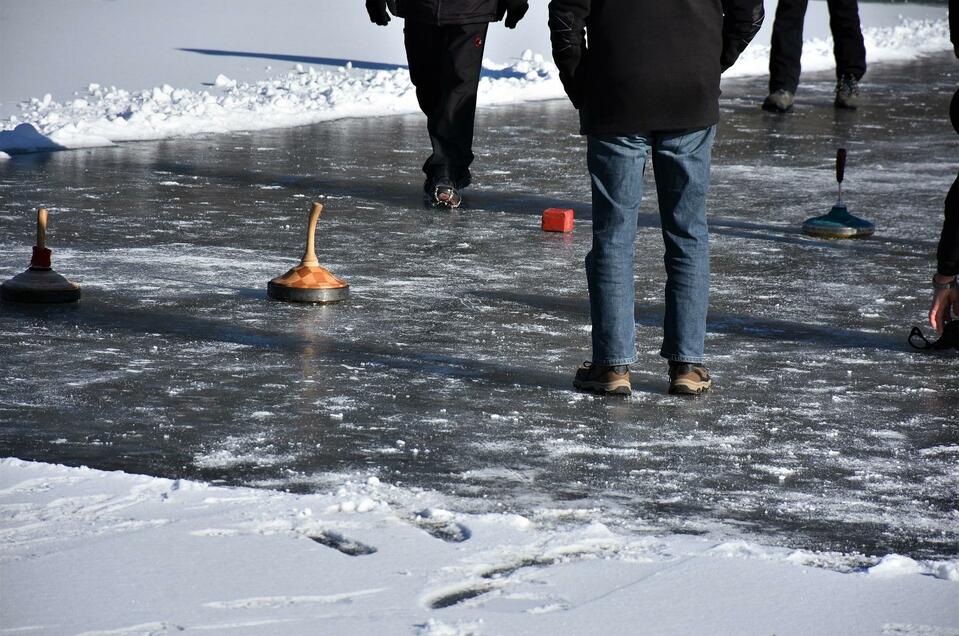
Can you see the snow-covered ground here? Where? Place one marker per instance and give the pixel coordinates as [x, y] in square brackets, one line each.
[300, 62]
[110, 554]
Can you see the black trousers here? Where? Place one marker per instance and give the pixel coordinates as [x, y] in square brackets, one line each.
[849, 49]
[445, 64]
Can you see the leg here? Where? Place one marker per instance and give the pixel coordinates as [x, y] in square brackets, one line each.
[451, 124]
[616, 170]
[681, 162]
[786, 52]
[466, 44]
[424, 52]
[849, 48]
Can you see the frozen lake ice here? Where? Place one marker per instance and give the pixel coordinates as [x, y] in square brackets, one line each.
[449, 368]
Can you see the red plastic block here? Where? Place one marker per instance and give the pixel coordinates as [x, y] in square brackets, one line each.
[558, 220]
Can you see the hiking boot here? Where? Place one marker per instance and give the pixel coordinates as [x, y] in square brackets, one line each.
[779, 101]
[600, 378]
[847, 93]
[686, 378]
[441, 193]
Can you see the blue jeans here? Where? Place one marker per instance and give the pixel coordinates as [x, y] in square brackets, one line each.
[616, 165]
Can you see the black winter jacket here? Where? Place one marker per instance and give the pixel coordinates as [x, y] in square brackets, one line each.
[948, 252]
[441, 12]
[637, 66]
[954, 22]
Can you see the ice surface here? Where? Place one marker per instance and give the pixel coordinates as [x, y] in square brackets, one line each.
[448, 372]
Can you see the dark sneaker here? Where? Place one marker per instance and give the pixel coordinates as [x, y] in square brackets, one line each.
[599, 378]
[463, 181]
[686, 378]
[779, 101]
[847, 93]
[441, 194]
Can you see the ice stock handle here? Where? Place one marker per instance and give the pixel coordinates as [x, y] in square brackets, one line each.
[840, 164]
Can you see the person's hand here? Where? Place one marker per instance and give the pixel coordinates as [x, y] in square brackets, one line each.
[945, 305]
[378, 13]
[514, 10]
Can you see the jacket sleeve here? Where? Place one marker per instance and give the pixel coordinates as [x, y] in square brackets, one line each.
[741, 22]
[567, 29]
[948, 252]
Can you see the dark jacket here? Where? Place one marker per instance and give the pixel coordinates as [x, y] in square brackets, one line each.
[948, 253]
[634, 66]
[442, 12]
[954, 22]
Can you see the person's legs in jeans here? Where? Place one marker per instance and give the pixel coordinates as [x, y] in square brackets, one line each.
[849, 48]
[616, 166]
[681, 162]
[786, 50]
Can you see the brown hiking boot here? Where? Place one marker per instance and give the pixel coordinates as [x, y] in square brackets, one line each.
[847, 93]
[687, 378]
[599, 378]
[779, 101]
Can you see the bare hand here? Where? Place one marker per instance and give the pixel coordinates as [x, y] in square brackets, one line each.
[945, 307]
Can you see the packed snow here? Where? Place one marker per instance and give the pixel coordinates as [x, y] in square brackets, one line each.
[108, 553]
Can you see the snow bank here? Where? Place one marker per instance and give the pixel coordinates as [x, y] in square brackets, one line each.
[110, 553]
[906, 41]
[106, 115]
[304, 95]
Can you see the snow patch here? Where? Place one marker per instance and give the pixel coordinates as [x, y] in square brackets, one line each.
[510, 577]
[894, 565]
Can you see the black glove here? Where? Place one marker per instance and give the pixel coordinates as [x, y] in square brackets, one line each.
[378, 13]
[514, 10]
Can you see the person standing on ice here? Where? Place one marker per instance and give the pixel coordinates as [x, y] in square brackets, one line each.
[849, 50]
[444, 47]
[644, 75]
[945, 282]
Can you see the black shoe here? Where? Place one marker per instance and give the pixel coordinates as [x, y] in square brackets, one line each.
[847, 93]
[463, 181]
[779, 101]
[440, 193]
[603, 379]
[687, 378]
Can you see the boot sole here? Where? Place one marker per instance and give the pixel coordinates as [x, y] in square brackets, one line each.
[621, 387]
[441, 205]
[769, 108]
[690, 388]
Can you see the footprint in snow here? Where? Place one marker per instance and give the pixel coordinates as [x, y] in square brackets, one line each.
[439, 524]
[339, 542]
[493, 578]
